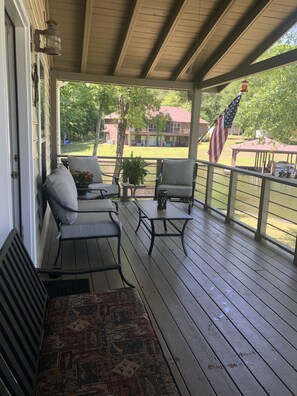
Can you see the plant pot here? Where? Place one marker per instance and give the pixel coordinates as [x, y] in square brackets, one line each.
[82, 188]
[135, 181]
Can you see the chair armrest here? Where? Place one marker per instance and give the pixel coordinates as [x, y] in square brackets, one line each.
[116, 179]
[158, 177]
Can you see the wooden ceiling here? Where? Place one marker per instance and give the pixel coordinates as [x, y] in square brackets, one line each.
[209, 42]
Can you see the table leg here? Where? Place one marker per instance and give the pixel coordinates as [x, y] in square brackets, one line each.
[182, 237]
[152, 238]
[139, 219]
[165, 225]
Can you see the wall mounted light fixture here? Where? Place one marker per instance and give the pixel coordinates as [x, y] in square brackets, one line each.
[49, 40]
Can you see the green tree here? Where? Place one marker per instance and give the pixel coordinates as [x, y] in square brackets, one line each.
[78, 112]
[105, 98]
[210, 108]
[82, 108]
[271, 104]
[160, 121]
[133, 105]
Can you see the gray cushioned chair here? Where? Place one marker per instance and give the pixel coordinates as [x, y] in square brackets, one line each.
[96, 189]
[178, 177]
[81, 219]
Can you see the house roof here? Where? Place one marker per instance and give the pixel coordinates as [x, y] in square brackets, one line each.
[174, 42]
[268, 145]
[177, 114]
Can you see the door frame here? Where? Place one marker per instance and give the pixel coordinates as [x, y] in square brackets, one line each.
[17, 13]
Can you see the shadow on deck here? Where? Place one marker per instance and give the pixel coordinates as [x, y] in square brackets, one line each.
[226, 314]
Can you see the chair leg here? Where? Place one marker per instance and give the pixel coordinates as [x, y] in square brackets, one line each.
[190, 207]
[58, 252]
[124, 279]
[120, 264]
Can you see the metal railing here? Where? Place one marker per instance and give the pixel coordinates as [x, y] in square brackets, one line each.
[261, 203]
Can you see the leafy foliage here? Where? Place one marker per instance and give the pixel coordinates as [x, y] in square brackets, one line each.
[134, 169]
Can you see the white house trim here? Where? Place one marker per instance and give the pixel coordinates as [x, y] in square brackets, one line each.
[18, 15]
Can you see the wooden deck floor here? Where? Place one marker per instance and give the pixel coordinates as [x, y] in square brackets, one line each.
[226, 315]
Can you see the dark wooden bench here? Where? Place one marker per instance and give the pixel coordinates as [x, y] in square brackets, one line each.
[87, 344]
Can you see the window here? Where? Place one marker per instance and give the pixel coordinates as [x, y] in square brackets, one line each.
[152, 127]
[175, 127]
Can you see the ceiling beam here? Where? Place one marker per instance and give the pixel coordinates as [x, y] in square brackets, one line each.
[285, 59]
[127, 36]
[128, 81]
[243, 25]
[267, 43]
[86, 38]
[176, 14]
[202, 38]
[270, 40]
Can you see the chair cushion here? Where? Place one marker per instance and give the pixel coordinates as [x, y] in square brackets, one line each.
[102, 344]
[181, 191]
[178, 171]
[101, 204]
[58, 185]
[64, 171]
[86, 164]
[92, 225]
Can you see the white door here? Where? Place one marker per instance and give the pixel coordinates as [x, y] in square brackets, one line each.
[13, 123]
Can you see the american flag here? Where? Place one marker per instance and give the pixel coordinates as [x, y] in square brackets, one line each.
[221, 130]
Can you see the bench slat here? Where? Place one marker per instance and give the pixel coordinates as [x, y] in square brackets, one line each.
[23, 302]
[11, 387]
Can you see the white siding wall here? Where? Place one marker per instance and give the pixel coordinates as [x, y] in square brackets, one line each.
[26, 16]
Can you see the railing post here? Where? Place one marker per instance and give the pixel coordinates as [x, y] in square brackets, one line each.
[263, 209]
[209, 183]
[295, 253]
[231, 196]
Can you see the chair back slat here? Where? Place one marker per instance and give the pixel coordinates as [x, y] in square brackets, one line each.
[23, 302]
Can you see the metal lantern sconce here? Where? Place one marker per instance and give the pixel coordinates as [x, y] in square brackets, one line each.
[244, 86]
[51, 39]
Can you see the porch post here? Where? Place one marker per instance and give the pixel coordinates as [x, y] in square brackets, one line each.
[194, 127]
[53, 118]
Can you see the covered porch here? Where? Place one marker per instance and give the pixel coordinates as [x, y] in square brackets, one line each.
[225, 314]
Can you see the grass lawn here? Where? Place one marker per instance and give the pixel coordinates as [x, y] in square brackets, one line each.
[109, 150]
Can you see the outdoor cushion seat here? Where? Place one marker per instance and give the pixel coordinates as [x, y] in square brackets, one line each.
[99, 343]
[178, 178]
[84, 219]
[98, 188]
[89, 226]
[176, 191]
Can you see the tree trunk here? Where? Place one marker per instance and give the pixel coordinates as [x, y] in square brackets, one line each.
[98, 127]
[123, 110]
[120, 146]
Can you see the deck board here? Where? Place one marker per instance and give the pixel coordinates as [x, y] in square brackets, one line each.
[225, 315]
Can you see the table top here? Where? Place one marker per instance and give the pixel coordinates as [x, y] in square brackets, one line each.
[150, 210]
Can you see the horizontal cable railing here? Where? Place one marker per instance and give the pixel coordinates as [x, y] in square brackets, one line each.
[263, 204]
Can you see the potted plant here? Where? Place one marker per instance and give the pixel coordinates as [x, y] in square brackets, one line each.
[82, 181]
[134, 169]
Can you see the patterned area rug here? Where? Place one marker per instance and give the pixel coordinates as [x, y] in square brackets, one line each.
[102, 344]
[61, 288]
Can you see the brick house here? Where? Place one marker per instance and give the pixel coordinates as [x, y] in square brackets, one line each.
[176, 133]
